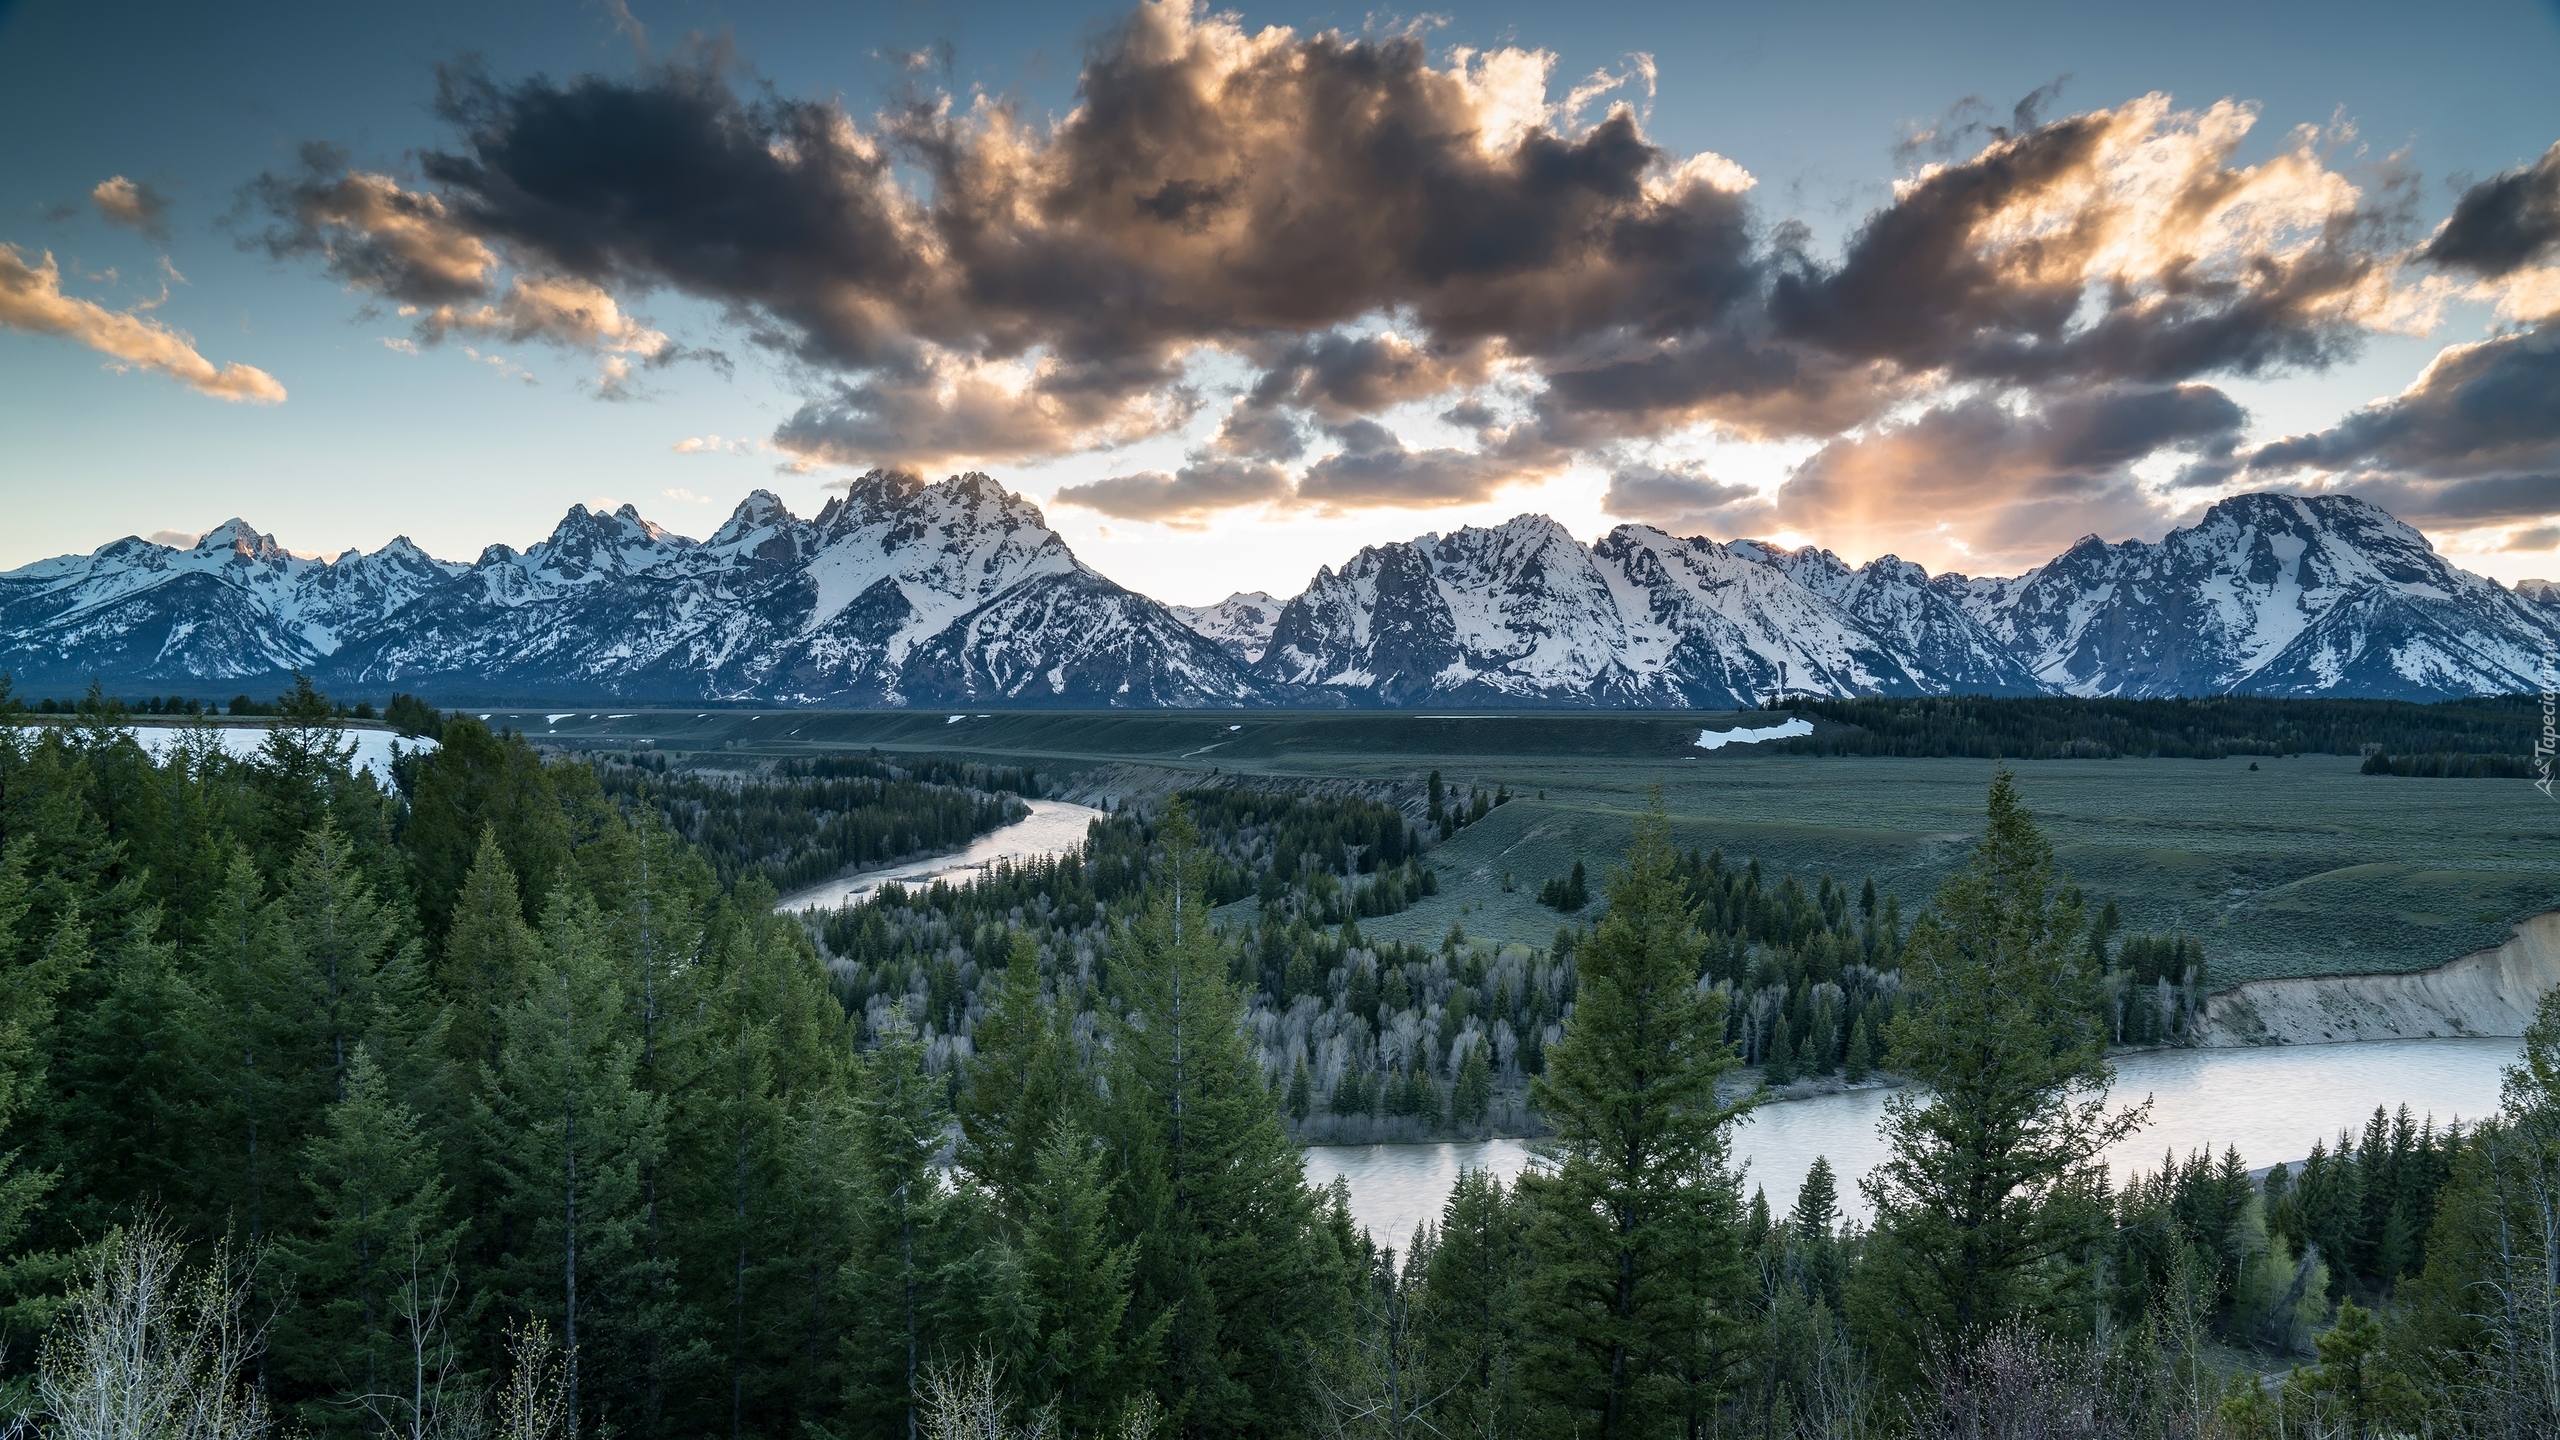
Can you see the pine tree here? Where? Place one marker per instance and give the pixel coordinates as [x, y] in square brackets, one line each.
[566, 1128]
[1636, 1228]
[1301, 1097]
[761, 1056]
[378, 1207]
[357, 980]
[1474, 1300]
[1075, 1289]
[1473, 1093]
[488, 955]
[1781, 1066]
[248, 1091]
[1817, 1205]
[1993, 1182]
[1019, 1083]
[909, 1280]
[1861, 1060]
[28, 989]
[1231, 1257]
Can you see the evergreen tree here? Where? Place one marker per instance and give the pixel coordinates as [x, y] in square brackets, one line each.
[378, 1206]
[1301, 1097]
[1473, 1093]
[909, 1281]
[1231, 1259]
[28, 989]
[1474, 1301]
[1636, 1228]
[248, 1092]
[751, 1209]
[1075, 1289]
[1018, 1084]
[565, 1128]
[488, 954]
[1861, 1060]
[1781, 1066]
[355, 980]
[1993, 1184]
[1817, 1206]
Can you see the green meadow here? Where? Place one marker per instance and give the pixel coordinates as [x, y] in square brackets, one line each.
[2301, 866]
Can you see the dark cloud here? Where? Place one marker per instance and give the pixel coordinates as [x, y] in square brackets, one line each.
[1682, 501]
[134, 203]
[2503, 223]
[2463, 504]
[2478, 409]
[1374, 469]
[1188, 496]
[2541, 537]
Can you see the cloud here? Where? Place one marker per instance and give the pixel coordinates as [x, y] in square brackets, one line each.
[1188, 497]
[31, 299]
[2014, 484]
[2477, 409]
[2540, 537]
[369, 232]
[684, 496]
[1375, 470]
[1681, 500]
[175, 539]
[134, 203]
[2504, 223]
[1308, 235]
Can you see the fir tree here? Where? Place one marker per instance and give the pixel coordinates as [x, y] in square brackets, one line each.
[1781, 1065]
[1637, 1228]
[566, 1127]
[1473, 1305]
[1993, 1182]
[28, 989]
[1075, 1288]
[377, 1204]
[908, 1278]
[1019, 1082]
[1473, 1093]
[1230, 1256]
[1861, 1060]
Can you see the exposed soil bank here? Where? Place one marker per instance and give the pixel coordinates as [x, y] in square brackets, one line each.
[2485, 993]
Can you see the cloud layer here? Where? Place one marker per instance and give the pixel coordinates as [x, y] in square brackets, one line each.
[1345, 272]
[31, 299]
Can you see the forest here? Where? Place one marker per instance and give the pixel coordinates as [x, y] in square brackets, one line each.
[2489, 737]
[485, 1102]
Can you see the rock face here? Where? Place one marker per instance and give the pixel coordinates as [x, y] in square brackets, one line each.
[2487, 992]
[904, 593]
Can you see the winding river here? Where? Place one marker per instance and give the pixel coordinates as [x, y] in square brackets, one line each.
[1053, 827]
[2270, 1102]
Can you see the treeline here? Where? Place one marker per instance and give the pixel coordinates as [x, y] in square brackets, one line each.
[795, 823]
[2441, 766]
[2071, 728]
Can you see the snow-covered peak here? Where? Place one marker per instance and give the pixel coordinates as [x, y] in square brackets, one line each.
[761, 512]
[236, 536]
[1242, 622]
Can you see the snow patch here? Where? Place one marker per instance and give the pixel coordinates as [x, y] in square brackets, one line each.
[1718, 739]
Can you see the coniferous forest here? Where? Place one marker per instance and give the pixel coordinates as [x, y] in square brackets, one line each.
[495, 1098]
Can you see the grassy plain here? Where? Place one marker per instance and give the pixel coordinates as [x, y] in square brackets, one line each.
[2300, 867]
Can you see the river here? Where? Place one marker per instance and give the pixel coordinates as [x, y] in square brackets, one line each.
[2271, 1102]
[1053, 827]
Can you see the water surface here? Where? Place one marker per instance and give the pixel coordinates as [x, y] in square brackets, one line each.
[2270, 1102]
[1053, 827]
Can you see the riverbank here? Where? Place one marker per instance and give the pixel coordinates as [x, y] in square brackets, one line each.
[2487, 993]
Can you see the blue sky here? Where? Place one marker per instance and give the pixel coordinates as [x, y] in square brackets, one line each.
[461, 437]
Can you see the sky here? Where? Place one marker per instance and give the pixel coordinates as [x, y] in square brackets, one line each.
[1231, 293]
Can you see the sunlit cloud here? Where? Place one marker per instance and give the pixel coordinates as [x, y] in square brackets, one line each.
[31, 299]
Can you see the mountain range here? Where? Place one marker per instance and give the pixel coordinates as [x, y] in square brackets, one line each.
[902, 593]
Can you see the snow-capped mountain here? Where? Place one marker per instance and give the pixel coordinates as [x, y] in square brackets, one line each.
[1242, 622]
[2270, 595]
[234, 604]
[897, 593]
[904, 593]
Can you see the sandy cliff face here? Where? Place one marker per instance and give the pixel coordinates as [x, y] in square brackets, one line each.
[2487, 992]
